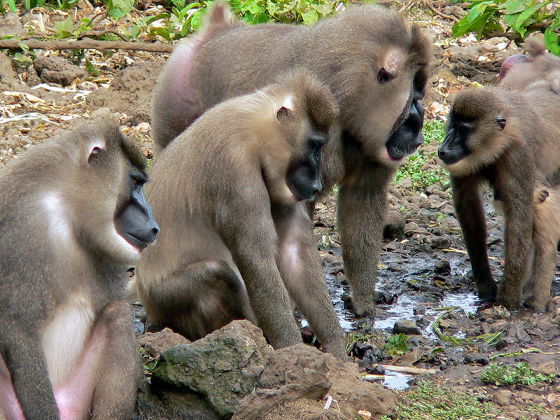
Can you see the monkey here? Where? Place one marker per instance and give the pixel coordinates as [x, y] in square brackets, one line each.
[509, 139]
[73, 217]
[523, 72]
[546, 234]
[230, 195]
[377, 66]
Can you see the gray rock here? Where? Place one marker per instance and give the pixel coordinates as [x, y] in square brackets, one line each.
[57, 70]
[503, 397]
[394, 225]
[406, 326]
[223, 367]
[10, 25]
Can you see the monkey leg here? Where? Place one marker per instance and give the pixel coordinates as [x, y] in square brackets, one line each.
[199, 299]
[25, 389]
[542, 278]
[518, 209]
[362, 204]
[120, 369]
[300, 267]
[470, 212]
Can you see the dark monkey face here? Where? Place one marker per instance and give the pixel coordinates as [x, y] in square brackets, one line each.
[134, 221]
[304, 175]
[454, 147]
[408, 135]
[120, 223]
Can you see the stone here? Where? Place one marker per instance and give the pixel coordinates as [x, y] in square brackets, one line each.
[156, 343]
[394, 225]
[503, 397]
[224, 366]
[406, 326]
[52, 69]
[10, 25]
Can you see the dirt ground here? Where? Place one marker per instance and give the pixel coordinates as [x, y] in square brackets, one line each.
[424, 274]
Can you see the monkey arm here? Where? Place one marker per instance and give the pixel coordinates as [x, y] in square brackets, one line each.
[300, 266]
[252, 240]
[470, 212]
[26, 363]
[518, 209]
[362, 204]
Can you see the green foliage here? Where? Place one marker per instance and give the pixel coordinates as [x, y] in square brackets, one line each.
[397, 345]
[520, 374]
[430, 401]
[521, 16]
[419, 167]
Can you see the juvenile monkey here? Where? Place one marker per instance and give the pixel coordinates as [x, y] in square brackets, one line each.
[229, 194]
[546, 234]
[72, 218]
[540, 69]
[509, 139]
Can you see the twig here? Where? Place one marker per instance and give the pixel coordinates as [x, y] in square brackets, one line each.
[441, 14]
[408, 369]
[84, 44]
[100, 32]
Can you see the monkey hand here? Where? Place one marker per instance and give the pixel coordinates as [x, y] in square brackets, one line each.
[507, 297]
[363, 304]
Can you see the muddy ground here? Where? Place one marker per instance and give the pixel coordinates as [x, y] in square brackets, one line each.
[424, 274]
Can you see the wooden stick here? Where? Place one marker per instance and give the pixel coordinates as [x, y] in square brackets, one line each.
[84, 44]
[408, 369]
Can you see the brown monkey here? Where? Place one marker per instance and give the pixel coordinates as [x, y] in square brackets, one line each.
[72, 218]
[546, 234]
[375, 64]
[509, 139]
[228, 193]
[527, 72]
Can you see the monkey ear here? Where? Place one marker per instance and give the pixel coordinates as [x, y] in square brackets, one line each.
[283, 113]
[384, 76]
[501, 122]
[94, 151]
[389, 67]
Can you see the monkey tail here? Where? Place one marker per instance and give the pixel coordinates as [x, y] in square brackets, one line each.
[219, 17]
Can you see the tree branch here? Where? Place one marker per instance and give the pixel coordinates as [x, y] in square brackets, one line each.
[84, 44]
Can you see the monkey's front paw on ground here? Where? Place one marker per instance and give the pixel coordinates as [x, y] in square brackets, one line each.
[508, 299]
[362, 305]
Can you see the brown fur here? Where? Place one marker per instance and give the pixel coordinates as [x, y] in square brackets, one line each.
[62, 276]
[546, 234]
[230, 220]
[374, 63]
[511, 160]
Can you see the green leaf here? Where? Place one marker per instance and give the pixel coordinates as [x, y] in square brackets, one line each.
[551, 41]
[524, 16]
[65, 28]
[119, 8]
[91, 69]
[12, 4]
[515, 6]
[310, 17]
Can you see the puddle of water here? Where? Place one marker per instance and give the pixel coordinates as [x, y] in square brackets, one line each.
[397, 380]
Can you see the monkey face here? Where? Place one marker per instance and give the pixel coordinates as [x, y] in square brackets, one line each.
[511, 62]
[120, 222]
[304, 174]
[475, 131]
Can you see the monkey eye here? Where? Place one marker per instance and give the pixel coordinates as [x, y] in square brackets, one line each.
[501, 122]
[138, 180]
[94, 152]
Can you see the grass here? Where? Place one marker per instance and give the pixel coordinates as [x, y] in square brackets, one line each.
[520, 374]
[430, 401]
[419, 167]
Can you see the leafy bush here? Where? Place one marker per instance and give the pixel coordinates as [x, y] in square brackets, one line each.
[397, 345]
[520, 374]
[488, 17]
